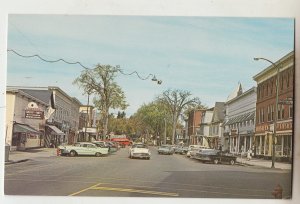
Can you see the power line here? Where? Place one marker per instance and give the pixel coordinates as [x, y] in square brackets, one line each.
[79, 63]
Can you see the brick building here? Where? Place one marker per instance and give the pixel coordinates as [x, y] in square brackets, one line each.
[194, 122]
[265, 109]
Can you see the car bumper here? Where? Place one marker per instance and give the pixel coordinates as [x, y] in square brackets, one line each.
[140, 155]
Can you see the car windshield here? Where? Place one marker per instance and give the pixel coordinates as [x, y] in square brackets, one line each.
[165, 147]
[139, 146]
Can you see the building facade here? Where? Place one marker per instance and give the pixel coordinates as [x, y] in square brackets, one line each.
[194, 123]
[25, 124]
[216, 126]
[204, 132]
[48, 111]
[265, 109]
[239, 126]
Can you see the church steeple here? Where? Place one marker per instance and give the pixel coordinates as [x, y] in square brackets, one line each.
[237, 92]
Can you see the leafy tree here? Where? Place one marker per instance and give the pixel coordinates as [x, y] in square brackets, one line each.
[151, 119]
[109, 95]
[176, 101]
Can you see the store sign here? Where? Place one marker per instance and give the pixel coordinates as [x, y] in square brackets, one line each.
[33, 111]
[262, 128]
[34, 114]
[284, 126]
[234, 131]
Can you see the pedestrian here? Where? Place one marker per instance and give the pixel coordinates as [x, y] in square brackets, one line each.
[249, 154]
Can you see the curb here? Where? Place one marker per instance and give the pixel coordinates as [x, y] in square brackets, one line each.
[15, 162]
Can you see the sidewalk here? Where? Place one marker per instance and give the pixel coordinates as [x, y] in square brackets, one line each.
[21, 156]
[264, 163]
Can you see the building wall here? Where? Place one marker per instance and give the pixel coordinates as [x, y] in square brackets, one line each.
[16, 103]
[239, 135]
[10, 109]
[265, 111]
[194, 123]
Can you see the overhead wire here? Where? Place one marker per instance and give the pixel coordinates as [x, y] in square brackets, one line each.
[79, 63]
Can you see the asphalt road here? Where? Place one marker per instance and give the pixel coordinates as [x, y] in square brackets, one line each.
[162, 176]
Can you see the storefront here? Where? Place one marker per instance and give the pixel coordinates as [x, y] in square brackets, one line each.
[283, 142]
[54, 136]
[25, 136]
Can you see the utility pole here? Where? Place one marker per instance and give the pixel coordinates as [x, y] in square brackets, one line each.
[87, 116]
[165, 133]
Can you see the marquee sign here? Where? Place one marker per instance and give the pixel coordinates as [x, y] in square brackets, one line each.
[33, 111]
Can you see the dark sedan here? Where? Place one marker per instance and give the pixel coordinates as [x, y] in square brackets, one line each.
[215, 156]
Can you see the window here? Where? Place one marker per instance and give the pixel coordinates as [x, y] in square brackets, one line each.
[262, 115]
[280, 114]
[272, 85]
[288, 80]
[291, 112]
[269, 113]
[281, 82]
[272, 112]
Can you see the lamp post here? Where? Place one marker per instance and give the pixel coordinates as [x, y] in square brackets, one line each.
[276, 108]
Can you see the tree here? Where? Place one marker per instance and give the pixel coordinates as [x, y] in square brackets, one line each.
[150, 119]
[175, 102]
[108, 94]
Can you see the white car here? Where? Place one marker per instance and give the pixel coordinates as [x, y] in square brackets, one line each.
[193, 149]
[82, 148]
[139, 151]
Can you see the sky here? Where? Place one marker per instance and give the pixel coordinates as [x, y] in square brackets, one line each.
[207, 56]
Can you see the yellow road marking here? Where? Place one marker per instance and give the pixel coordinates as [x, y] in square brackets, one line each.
[134, 191]
[86, 189]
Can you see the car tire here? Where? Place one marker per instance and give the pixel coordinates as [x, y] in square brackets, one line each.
[98, 154]
[216, 161]
[232, 162]
[72, 153]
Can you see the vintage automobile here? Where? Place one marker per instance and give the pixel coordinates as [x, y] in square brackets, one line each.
[215, 156]
[82, 148]
[194, 149]
[165, 149]
[139, 151]
[181, 150]
[104, 144]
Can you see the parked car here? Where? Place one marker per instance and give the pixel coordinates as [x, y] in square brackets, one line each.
[193, 149]
[104, 144]
[178, 150]
[139, 151]
[112, 146]
[216, 156]
[82, 148]
[181, 150]
[165, 149]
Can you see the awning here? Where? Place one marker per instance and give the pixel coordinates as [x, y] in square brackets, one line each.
[56, 130]
[23, 128]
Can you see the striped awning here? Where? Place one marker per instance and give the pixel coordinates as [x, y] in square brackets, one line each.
[55, 130]
[241, 118]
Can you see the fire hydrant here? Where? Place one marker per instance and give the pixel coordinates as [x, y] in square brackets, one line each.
[58, 152]
[277, 192]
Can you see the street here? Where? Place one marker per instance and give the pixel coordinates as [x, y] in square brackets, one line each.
[161, 176]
